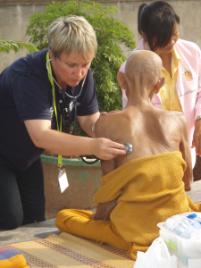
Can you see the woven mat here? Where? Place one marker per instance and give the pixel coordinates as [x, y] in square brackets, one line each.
[65, 250]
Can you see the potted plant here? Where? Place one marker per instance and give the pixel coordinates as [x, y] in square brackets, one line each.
[8, 45]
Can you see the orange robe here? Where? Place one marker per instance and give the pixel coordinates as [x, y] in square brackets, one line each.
[148, 190]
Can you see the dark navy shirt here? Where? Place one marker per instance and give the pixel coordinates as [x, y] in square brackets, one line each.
[25, 94]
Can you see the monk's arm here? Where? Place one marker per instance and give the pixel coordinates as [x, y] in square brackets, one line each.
[185, 150]
[103, 210]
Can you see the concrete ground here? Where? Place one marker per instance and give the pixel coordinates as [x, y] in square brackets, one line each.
[28, 232]
[43, 229]
[195, 192]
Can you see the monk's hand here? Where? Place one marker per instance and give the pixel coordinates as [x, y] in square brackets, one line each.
[197, 137]
[188, 179]
[103, 210]
[187, 185]
[106, 149]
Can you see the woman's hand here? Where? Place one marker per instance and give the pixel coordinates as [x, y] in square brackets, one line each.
[106, 149]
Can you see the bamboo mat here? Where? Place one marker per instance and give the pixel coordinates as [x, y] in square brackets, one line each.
[65, 250]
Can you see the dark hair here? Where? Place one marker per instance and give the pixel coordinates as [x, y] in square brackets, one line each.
[157, 20]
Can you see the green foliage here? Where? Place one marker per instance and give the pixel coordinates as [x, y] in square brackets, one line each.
[111, 34]
[8, 45]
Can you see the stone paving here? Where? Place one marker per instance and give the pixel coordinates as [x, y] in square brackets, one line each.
[28, 232]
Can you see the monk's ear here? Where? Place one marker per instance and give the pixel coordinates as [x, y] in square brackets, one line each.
[159, 84]
[122, 80]
[125, 83]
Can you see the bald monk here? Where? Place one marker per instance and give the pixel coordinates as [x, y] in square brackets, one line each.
[148, 185]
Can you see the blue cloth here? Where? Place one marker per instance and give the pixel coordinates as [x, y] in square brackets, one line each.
[6, 253]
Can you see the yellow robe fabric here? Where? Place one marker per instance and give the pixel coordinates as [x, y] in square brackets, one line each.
[17, 261]
[148, 190]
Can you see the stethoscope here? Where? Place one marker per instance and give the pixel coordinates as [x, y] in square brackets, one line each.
[73, 104]
[74, 98]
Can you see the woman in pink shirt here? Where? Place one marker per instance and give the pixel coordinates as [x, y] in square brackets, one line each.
[158, 26]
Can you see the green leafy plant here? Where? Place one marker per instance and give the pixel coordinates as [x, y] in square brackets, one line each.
[8, 45]
[111, 34]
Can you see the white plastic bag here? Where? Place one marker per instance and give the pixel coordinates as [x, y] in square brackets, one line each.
[156, 256]
[182, 235]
